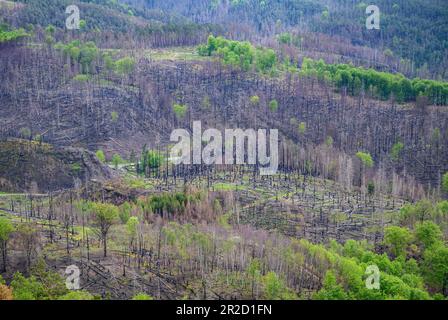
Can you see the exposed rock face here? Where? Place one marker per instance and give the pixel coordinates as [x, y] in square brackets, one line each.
[28, 166]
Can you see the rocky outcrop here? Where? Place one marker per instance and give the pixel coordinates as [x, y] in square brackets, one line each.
[29, 166]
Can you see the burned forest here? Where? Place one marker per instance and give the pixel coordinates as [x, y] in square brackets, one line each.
[223, 150]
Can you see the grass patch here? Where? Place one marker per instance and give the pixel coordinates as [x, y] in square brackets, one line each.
[177, 53]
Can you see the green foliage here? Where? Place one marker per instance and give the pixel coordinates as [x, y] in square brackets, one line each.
[116, 160]
[289, 39]
[242, 54]
[81, 77]
[255, 100]
[273, 105]
[27, 288]
[180, 110]
[41, 285]
[50, 29]
[395, 152]
[76, 168]
[170, 203]
[114, 116]
[366, 159]
[125, 212]
[109, 62]
[435, 266]
[445, 182]
[397, 239]
[428, 233]
[275, 288]
[104, 215]
[380, 85]
[82, 24]
[266, 60]
[37, 138]
[150, 159]
[302, 127]
[154, 158]
[346, 277]
[83, 53]
[6, 228]
[131, 226]
[53, 283]
[77, 295]
[424, 210]
[7, 35]
[254, 270]
[100, 155]
[49, 40]
[125, 66]
[331, 290]
[370, 188]
[142, 296]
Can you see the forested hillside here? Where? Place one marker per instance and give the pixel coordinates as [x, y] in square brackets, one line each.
[87, 178]
[412, 31]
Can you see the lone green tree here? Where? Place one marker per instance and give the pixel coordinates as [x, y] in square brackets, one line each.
[117, 160]
[273, 105]
[100, 155]
[366, 162]
[105, 215]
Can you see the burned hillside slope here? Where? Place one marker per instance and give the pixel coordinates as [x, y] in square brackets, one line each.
[120, 114]
[29, 166]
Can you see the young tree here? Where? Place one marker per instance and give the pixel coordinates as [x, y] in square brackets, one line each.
[131, 227]
[366, 162]
[395, 152]
[366, 159]
[114, 116]
[273, 105]
[254, 272]
[6, 228]
[105, 215]
[180, 110]
[255, 100]
[100, 155]
[125, 212]
[302, 127]
[116, 160]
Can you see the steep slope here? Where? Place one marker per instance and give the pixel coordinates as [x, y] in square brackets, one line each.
[72, 112]
[35, 167]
